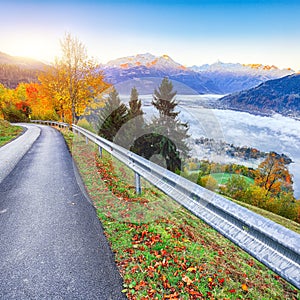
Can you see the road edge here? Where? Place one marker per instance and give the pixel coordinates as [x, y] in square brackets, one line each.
[12, 152]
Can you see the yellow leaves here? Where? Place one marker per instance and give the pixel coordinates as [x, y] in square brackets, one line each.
[74, 81]
[187, 280]
[191, 269]
[272, 174]
[244, 287]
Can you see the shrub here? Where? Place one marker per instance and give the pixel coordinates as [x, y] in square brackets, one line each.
[12, 114]
[208, 182]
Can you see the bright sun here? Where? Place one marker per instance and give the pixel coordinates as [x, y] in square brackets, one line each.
[38, 49]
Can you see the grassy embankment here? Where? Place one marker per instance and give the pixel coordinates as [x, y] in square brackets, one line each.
[8, 132]
[222, 178]
[163, 251]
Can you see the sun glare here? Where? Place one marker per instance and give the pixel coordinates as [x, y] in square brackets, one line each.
[38, 49]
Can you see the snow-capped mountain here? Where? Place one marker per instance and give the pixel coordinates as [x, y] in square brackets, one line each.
[145, 71]
[251, 69]
[230, 77]
[148, 60]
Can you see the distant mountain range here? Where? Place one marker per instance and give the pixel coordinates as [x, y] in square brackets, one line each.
[146, 70]
[230, 77]
[274, 96]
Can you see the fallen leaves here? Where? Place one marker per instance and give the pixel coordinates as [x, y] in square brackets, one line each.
[187, 280]
[178, 257]
[244, 287]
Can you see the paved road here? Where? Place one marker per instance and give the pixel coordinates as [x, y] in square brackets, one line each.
[52, 244]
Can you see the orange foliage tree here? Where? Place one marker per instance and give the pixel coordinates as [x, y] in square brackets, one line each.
[41, 106]
[73, 82]
[24, 102]
[273, 175]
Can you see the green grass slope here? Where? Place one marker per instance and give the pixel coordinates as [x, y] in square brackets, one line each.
[8, 132]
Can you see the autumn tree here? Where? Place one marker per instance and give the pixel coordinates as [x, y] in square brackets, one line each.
[208, 182]
[41, 107]
[237, 188]
[2, 99]
[73, 81]
[14, 107]
[273, 175]
[112, 116]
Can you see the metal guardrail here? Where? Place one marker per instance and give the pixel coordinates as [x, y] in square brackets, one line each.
[53, 123]
[270, 243]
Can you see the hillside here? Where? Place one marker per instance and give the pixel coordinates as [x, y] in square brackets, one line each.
[24, 62]
[14, 70]
[274, 96]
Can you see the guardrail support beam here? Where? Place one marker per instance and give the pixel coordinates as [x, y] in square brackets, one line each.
[100, 151]
[138, 187]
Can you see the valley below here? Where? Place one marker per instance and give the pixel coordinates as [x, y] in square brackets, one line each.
[264, 133]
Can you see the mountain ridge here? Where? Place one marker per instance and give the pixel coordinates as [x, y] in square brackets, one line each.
[145, 72]
[218, 78]
[280, 95]
[16, 69]
[25, 62]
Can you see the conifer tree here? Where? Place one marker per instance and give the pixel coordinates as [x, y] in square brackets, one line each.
[168, 135]
[135, 123]
[135, 104]
[112, 116]
[164, 99]
[168, 122]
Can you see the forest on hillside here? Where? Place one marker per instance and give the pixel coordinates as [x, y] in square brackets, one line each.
[12, 75]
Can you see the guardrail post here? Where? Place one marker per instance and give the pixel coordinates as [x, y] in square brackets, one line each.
[138, 187]
[86, 140]
[100, 151]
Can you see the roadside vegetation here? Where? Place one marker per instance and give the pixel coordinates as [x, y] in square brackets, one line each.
[162, 250]
[269, 187]
[8, 132]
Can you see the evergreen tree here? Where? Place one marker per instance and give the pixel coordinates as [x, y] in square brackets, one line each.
[164, 99]
[168, 123]
[135, 104]
[135, 123]
[168, 135]
[112, 116]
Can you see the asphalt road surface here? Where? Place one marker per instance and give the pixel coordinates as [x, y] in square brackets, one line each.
[52, 244]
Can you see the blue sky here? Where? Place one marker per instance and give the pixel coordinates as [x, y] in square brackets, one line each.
[191, 32]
